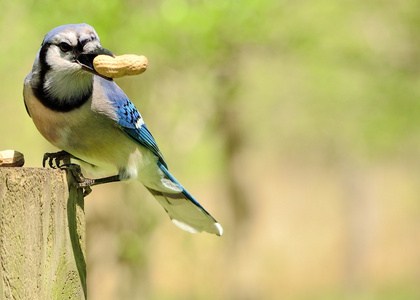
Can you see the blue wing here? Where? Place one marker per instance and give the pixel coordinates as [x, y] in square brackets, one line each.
[129, 118]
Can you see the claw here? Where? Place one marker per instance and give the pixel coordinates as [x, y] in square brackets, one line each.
[50, 163]
[57, 159]
[44, 159]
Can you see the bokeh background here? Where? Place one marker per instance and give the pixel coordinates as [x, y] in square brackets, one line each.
[295, 123]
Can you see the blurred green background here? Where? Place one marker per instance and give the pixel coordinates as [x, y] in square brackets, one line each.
[295, 123]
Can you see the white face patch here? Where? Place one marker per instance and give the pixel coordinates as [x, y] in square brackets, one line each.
[66, 79]
[58, 60]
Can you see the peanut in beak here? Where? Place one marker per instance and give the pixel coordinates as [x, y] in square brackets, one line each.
[120, 66]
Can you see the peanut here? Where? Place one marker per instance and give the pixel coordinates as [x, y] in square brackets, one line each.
[11, 158]
[120, 66]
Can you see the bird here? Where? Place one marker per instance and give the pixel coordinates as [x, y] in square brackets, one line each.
[90, 119]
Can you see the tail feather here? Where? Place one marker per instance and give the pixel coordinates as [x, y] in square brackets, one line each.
[184, 210]
[186, 214]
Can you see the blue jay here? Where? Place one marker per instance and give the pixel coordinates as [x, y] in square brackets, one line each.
[89, 117]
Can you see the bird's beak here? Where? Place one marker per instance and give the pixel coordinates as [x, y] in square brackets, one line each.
[86, 60]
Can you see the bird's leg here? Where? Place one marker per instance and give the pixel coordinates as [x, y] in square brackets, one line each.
[109, 179]
[86, 183]
[57, 159]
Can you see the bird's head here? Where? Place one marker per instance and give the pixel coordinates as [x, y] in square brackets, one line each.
[71, 49]
[62, 74]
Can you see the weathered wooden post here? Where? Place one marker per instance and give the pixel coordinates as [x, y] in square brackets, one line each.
[42, 235]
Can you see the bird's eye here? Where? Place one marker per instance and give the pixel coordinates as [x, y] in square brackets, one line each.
[64, 47]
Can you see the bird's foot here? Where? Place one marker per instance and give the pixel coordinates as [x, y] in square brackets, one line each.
[62, 160]
[56, 159]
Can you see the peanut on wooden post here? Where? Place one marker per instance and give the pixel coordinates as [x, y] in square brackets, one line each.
[120, 66]
[11, 158]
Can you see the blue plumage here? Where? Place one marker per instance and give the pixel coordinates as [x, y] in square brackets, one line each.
[128, 116]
